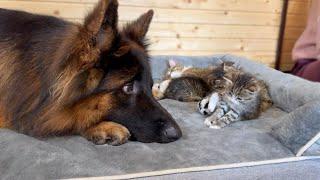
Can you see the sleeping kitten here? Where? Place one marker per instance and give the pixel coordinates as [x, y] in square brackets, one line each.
[192, 86]
[186, 89]
[234, 94]
[176, 70]
[240, 97]
[211, 77]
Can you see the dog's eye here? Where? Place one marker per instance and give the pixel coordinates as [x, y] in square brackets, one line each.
[128, 88]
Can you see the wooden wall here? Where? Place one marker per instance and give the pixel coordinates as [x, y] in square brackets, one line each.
[196, 27]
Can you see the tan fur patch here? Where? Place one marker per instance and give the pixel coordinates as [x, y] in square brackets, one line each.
[107, 131]
[79, 117]
[3, 122]
[7, 66]
[94, 77]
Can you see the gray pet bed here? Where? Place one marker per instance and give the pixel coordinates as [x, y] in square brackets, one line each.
[287, 130]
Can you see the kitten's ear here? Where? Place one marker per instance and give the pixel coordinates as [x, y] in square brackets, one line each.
[172, 63]
[102, 24]
[219, 71]
[138, 29]
[223, 66]
[211, 67]
[229, 63]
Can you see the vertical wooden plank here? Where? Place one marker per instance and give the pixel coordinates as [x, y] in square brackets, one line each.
[292, 32]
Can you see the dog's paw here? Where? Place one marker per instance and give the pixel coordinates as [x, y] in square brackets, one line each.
[108, 133]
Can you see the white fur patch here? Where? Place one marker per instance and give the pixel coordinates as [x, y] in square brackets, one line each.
[213, 101]
[176, 74]
[186, 68]
[232, 99]
[214, 127]
[156, 87]
[208, 123]
[164, 85]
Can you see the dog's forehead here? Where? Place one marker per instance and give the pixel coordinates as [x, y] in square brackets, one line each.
[142, 59]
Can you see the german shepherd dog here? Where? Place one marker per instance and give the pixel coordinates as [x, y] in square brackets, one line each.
[91, 79]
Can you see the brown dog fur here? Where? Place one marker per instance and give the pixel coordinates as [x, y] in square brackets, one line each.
[71, 59]
[57, 78]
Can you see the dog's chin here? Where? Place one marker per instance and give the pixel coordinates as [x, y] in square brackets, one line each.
[161, 140]
[142, 140]
[132, 138]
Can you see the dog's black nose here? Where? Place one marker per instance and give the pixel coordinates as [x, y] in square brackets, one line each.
[171, 134]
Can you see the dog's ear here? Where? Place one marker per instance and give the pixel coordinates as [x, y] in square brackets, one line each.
[138, 29]
[102, 24]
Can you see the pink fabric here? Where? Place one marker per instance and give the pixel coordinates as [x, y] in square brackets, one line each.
[308, 69]
[308, 45]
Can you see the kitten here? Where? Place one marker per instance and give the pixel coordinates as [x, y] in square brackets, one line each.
[176, 70]
[186, 89]
[234, 94]
[238, 96]
[198, 79]
[192, 85]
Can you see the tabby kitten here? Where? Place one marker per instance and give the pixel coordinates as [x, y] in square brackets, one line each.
[183, 83]
[192, 86]
[186, 89]
[238, 96]
[234, 94]
[176, 70]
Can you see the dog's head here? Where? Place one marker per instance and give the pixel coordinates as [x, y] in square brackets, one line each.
[116, 64]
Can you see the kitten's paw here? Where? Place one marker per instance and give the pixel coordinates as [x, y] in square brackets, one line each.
[207, 122]
[214, 123]
[156, 91]
[213, 101]
[215, 127]
[159, 89]
[203, 106]
[207, 105]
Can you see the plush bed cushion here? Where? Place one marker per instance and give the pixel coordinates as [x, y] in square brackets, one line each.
[296, 129]
[299, 130]
[23, 157]
[307, 169]
[287, 91]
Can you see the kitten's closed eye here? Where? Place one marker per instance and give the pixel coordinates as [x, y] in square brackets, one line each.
[252, 88]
